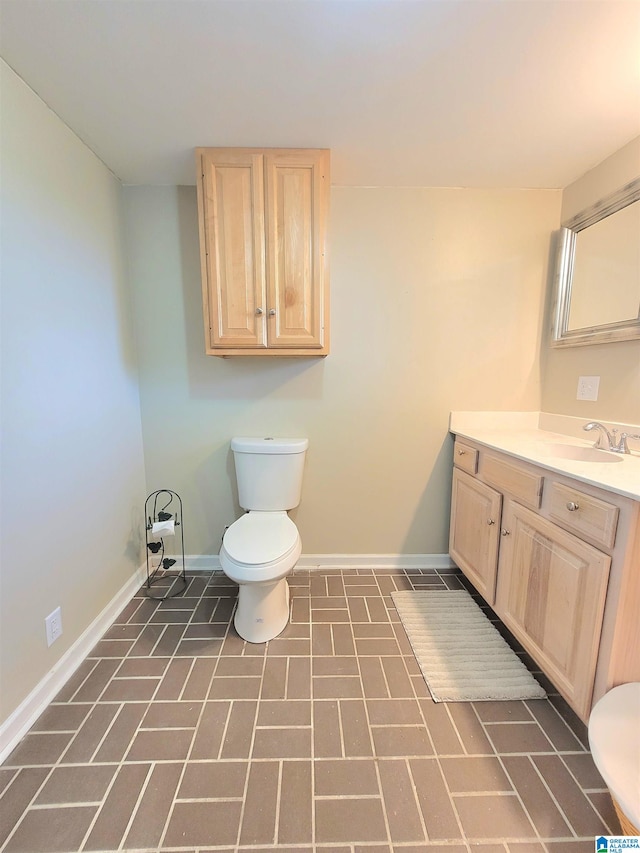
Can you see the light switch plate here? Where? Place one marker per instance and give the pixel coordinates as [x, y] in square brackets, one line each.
[588, 387]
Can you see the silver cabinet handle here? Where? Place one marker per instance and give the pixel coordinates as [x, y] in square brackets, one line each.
[272, 312]
[572, 506]
[259, 311]
[505, 532]
[490, 521]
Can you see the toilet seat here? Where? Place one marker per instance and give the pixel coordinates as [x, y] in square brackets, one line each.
[614, 739]
[260, 546]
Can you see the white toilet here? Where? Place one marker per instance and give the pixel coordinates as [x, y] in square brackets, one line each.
[614, 739]
[262, 547]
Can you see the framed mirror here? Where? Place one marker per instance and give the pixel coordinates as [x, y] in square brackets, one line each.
[597, 272]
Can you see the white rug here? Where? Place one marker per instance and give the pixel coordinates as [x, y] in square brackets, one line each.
[462, 656]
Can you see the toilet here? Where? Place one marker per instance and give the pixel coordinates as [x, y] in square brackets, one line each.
[614, 740]
[261, 548]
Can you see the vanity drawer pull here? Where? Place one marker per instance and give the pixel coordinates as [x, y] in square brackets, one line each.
[591, 518]
[490, 521]
[465, 457]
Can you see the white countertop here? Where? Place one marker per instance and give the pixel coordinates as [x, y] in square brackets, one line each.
[530, 435]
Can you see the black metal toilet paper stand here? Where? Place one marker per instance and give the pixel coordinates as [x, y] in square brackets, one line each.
[155, 543]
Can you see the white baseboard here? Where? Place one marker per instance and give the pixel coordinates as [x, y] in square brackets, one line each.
[25, 715]
[309, 562]
[200, 562]
[375, 561]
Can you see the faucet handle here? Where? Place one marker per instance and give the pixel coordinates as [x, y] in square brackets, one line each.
[623, 447]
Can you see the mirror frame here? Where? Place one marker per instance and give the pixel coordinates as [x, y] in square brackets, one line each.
[562, 336]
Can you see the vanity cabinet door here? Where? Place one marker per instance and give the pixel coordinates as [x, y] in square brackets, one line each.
[475, 531]
[551, 593]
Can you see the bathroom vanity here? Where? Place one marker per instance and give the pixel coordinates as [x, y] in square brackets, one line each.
[547, 529]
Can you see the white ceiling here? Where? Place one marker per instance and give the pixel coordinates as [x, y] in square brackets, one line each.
[485, 93]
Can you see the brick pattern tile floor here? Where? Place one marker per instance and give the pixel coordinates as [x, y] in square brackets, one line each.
[174, 734]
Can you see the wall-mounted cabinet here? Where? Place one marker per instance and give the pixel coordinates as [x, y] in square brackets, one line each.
[263, 217]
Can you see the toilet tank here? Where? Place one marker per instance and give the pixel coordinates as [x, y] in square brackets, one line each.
[269, 472]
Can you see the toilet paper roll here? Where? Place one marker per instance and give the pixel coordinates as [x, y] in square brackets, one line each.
[163, 528]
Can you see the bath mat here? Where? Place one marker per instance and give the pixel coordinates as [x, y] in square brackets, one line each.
[462, 656]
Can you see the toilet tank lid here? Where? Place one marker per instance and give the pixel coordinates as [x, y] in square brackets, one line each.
[269, 445]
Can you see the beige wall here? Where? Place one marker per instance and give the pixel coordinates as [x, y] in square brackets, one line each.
[72, 475]
[436, 305]
[617, 364]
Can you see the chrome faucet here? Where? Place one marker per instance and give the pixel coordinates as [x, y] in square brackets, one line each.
[603, 433]
[612, 444]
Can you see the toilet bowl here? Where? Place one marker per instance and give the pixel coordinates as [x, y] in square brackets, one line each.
[262, 547]
[258, 552]
[614, 739]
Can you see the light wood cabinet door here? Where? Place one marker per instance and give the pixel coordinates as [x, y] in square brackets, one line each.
[232, 239]
[551, 594]
[475, 531]
[263, 240]
[296, 248]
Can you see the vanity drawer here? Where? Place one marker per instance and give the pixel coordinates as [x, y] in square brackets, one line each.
[589, 517]
[465, 457]
[513, 479]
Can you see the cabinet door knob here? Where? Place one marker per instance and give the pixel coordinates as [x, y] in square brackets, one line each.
[505, 532]
[461, 452]
[259, 311]
[572, 506]
[490, 521]
[272, 312]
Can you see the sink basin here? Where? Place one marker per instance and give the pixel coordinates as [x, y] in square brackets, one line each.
[579, 453]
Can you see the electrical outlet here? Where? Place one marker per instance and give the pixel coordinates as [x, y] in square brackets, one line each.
[53, 624]
[588, 388]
